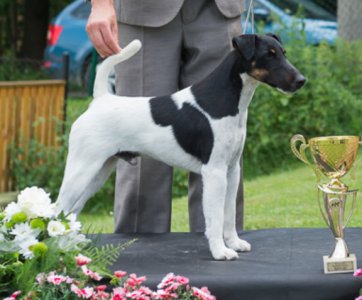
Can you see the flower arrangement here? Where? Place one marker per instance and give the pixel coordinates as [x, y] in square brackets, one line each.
[43, 255]
[357, 274]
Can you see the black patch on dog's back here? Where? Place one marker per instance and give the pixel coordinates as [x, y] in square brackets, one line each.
[163, 110]
[191, 128]
[219, 93]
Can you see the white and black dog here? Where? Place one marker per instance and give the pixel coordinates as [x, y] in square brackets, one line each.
[201, 128]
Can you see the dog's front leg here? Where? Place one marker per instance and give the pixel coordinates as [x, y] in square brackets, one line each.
[214, 192]
[230, 234]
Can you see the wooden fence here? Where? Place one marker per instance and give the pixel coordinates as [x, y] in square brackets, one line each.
[23, 104]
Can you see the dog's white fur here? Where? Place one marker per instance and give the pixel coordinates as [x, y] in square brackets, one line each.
[115, 124]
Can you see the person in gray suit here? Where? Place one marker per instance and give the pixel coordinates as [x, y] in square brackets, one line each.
[182, 42]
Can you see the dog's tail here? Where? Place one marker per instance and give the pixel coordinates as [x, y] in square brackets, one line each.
[101, 81]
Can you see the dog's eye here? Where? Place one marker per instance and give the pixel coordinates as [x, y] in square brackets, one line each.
[271, 53]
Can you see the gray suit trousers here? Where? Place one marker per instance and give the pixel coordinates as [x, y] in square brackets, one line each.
[173, 56]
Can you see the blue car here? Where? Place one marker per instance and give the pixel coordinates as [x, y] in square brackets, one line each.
[279, 16]
[67, 32]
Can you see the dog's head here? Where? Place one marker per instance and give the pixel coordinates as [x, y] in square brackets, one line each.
[264, 59]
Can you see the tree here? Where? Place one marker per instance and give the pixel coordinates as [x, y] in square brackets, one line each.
[24, 25]
[36, 16]
[349, 19]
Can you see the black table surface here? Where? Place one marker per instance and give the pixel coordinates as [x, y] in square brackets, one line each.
[283, 263]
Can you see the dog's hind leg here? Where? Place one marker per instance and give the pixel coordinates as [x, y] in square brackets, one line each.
[230, 234]
[82, 180]
[214, 192]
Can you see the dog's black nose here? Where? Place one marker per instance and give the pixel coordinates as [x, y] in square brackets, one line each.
[300, 81]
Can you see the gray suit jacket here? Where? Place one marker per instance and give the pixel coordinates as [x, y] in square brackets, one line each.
[156, 13]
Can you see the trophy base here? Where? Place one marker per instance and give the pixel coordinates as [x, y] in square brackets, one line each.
[339, 265]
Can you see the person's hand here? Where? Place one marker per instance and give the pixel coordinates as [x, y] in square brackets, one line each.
[102, 27]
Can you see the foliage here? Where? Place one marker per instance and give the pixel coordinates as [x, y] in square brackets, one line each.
[12, 68]
[180, 183]
[105, 255]
[34, 164]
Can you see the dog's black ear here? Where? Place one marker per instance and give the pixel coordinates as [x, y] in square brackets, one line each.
[275, 36]
[245, 44]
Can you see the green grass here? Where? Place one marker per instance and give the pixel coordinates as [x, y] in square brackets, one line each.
[282, 199]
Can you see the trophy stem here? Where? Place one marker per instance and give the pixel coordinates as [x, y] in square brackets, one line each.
[340, 250]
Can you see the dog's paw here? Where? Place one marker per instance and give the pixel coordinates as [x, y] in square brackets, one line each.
[224, 253]
[239, 245]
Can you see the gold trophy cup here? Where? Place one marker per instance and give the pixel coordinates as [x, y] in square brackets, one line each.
[333, 156]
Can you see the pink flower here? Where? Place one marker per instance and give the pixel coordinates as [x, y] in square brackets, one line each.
[101, 292]
[56, 279]
[134, 281]
[145, 290]
[96, 276]
[69, 280]
[357, 273]
[120, 274]
[119, 294]
[82, 260]
[13, 296]
[40, 278]
[358, 298]
[143, 293]
[172, 287]
[182, 280]
[86, 292]
[91, 274]
[102, 295]
[162, 294]
[168, 279]
[101, 288]
[203, 293]
[75, 289]
[134, 294]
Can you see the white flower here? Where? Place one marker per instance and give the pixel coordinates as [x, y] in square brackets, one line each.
[11, 210]
[35, 202]
[25, 247]
[55, 228]
[3, 229]
[72, 241]
[23, 232]
[74, 225]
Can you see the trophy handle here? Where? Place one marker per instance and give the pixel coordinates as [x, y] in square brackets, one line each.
[354, 195]
[301, 152]
[320, 206]
[356, 163]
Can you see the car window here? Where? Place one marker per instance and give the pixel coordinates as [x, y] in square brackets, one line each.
[82, 11]
[311, 10]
